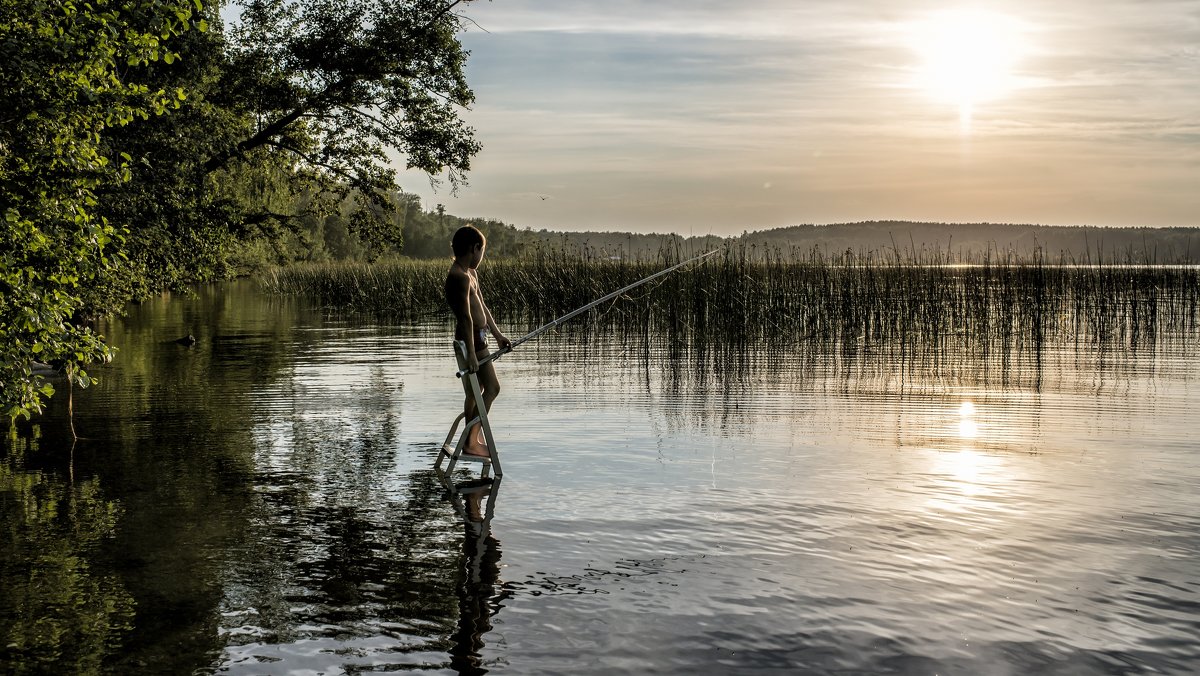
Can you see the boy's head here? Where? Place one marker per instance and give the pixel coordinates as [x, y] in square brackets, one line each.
[464, 242]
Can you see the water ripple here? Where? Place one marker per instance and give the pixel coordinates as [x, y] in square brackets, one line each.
[944, 514]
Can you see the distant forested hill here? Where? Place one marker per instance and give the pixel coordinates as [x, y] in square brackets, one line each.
[957, 242]
[976, 241]
[426, 234]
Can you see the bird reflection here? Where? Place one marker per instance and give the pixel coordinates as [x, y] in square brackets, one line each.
[479, 591]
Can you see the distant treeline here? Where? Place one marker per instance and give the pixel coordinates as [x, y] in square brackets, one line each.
[976, 242]
[427, 235]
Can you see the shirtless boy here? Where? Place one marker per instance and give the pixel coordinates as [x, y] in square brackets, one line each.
[472, 323]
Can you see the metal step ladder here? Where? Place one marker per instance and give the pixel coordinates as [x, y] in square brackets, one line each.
[455, 453]
[467, 498]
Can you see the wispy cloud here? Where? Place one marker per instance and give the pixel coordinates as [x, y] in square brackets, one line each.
[671, 114]
[764, 18]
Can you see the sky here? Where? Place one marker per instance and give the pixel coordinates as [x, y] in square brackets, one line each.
[716, 117]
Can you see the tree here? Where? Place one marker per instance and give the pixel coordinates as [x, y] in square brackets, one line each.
[275, 123]
[64, 86]
[336, 87]
[178, 221]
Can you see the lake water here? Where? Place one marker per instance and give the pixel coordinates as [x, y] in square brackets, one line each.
[264, 502]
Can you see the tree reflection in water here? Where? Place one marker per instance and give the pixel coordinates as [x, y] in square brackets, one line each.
[58, 612]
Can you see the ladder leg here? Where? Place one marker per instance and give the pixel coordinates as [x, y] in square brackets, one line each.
[445, 450]
[475, 392]
[463, 440]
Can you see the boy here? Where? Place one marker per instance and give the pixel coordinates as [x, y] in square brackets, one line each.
[472, 323]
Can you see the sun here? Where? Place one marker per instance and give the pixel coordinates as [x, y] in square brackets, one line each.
[967, 57]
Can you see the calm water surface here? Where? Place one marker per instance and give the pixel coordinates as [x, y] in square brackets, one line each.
[264, 503]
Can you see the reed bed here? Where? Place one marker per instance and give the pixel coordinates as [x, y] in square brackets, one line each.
[743, 305]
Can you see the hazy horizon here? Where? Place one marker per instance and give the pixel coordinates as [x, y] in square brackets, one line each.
[522, 226]
[719, 117]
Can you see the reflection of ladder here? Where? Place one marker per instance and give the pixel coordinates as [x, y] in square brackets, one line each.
[467, 498]
[455, 453]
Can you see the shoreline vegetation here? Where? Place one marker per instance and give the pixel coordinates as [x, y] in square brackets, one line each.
[745, 301]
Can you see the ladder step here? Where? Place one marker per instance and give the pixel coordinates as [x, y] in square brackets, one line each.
[473, 458]
[449, 453]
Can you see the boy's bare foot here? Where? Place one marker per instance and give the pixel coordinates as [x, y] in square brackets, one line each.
[477, 446]
[477, 450]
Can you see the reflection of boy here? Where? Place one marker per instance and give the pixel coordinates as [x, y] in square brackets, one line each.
[478, 597]
[472, 322]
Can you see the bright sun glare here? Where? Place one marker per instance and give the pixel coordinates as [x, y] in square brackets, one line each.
[967, 57]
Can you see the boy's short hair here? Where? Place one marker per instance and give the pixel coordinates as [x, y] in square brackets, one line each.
[465, 239]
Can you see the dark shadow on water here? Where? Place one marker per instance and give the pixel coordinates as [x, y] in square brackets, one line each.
[54, 528]
[216, 515]
[480, 595]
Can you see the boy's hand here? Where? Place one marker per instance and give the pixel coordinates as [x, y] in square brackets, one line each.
[472, 362]
[502, 341]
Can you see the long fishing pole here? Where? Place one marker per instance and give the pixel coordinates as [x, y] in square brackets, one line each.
[573, 313]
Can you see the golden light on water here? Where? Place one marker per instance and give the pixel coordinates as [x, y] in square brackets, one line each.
[967, 427]
[963, 468]
[966, 472]
[970, 446]
[967, 57]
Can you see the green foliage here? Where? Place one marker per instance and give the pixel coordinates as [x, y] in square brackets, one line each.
[278, 148]
[178, 225]
[282, 149]
[65, 85]
[337, 88]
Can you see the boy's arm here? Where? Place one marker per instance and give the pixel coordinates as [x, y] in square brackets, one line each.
[502, 340]
[458, 295]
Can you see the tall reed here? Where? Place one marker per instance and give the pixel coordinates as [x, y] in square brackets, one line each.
[855, 306]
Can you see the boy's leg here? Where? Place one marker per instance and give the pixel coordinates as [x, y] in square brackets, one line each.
[488, 381]
[468, 416]
[490, 385]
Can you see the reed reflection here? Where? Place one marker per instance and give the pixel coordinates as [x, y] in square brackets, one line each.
[480, 594]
